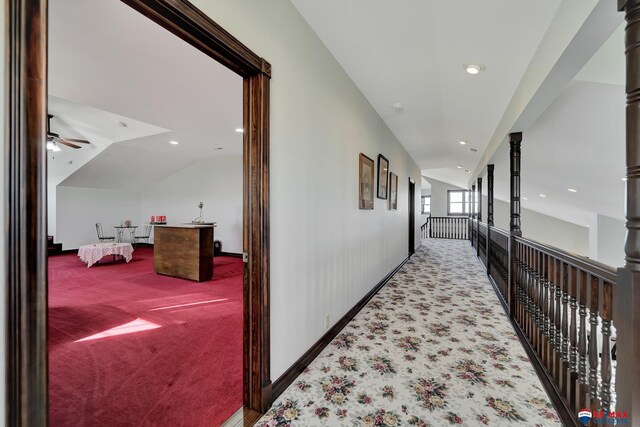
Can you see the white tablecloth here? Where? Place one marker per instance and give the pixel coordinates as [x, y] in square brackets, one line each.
[93, 253]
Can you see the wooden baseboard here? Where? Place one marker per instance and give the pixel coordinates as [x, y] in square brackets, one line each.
[567, 417]
[285, 380]
[231, 254]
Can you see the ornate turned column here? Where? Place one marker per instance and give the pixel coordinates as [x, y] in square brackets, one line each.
[626, 298]
[479, 199]
[514, 141]
[479, 196]
[490, 194]
[514, 227]
[489, 214]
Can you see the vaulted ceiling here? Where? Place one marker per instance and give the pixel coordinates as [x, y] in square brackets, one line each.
[108, 64]
[413, 53]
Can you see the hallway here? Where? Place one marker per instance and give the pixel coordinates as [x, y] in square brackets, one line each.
[432, 348]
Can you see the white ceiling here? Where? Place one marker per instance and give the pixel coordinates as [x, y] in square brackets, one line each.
[109, 63]
[413, 51]
[577, 143]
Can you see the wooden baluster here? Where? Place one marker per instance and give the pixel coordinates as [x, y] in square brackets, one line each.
[558, 319]
[528, 302]
[583, 387]
[520, 285]
[544, 297]
[530, 298]
[605, 371]
[457, 227]
[538, 302]
[525, 290]
[565, 329]
[573, 334]
[552, 316]
[594, 308]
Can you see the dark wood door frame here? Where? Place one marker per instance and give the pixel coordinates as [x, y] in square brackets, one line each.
[25, 201]
[412, 216]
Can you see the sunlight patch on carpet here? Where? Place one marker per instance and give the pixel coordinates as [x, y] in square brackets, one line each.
[137, 325]
[189, 304]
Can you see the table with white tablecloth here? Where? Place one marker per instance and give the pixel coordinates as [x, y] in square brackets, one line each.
[90, 254]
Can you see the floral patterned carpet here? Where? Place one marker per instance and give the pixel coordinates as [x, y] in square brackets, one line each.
[432, 348]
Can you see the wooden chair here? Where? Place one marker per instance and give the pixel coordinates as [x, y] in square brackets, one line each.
[144, 237]
[101, 235]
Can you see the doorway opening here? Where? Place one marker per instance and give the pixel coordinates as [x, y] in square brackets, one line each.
[26, 117]
[412, 216]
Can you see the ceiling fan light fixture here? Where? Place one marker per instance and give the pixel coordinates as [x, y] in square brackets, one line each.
[55, 148]
[50, 145]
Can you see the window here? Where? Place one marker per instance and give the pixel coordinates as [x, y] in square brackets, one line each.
[426, 205]
[458, 202]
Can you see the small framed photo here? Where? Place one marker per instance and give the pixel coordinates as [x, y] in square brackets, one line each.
[393, 191]
[383, 177]
[367, 176]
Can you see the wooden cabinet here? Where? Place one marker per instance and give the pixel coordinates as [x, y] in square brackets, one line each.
[184, 251]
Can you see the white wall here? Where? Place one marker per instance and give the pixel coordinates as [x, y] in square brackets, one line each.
[326, 254]
[439, 201]
[606, 240]
[544, 229]
[78, 210]
[217, 182]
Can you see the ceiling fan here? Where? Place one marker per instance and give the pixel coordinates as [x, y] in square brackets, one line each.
[53, 139]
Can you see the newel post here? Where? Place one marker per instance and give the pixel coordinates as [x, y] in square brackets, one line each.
[489, 214]
[479, 213]
[514, 227]
[626, 297]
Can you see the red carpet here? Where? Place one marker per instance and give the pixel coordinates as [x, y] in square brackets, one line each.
[173, 356]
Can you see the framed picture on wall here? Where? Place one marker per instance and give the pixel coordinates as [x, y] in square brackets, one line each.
[383, 176]
[367, 176]
[393, 191]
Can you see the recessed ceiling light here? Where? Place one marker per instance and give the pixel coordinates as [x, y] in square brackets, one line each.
[624, 179]
[240, 130]
[467, 171]
[524, 198]
[122, 124]
[473, 150]
[463, 142]
[572, 190]
[542, 195]
[459, 167]
[397, 106]
[173, 142]
[218, 148]
[474, 69]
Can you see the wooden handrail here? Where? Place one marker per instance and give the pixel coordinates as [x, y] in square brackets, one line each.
[586, 264]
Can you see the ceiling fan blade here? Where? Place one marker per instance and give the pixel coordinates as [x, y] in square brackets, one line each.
[67, 143]
[81, 141]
